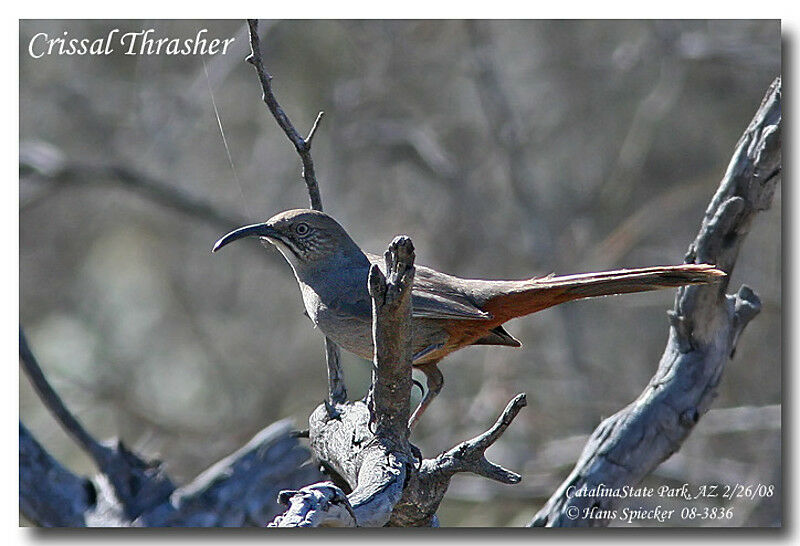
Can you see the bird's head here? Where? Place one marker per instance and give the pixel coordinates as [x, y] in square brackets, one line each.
[305, 237]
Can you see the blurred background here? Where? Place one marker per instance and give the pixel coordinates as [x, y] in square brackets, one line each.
[503, 148]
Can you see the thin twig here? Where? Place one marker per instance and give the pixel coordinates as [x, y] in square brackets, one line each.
[314, 127]
[76, 172]
[336, 391]
[302, 145]
[56, 406]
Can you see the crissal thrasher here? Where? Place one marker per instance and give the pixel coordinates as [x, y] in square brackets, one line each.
[448, 312]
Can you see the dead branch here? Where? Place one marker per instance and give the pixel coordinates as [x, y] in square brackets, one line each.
[137, 484]
[337, 390]
[705, 326]
[364, 444]
[59, 500]
[240, 490]
[429, 485]
[302, 145]
[44, 163]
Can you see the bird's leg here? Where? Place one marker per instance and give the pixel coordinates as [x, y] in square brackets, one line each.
[435, 381]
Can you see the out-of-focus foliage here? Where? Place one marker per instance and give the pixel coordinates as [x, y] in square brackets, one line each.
[504, 149]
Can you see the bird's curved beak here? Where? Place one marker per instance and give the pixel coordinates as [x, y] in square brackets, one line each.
[253, 230]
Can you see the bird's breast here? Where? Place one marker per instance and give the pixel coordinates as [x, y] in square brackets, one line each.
[338, 322]
[312, 302]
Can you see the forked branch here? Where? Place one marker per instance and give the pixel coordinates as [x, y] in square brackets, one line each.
[302, 145]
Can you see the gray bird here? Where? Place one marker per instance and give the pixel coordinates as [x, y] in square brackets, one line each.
[448, 312]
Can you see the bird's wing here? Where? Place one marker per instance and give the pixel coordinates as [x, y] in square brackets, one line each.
[441, 296]
[437, 295]
[438, 306]
[352, 308]
[423, 305]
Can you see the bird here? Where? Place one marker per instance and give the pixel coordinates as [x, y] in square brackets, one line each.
[448, 312]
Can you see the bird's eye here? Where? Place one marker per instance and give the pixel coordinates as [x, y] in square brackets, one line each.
[301, 229]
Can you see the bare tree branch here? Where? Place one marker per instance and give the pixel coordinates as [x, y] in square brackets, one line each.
[137, 484]
[302, 145]
[373, 464]
[470, 456]
[337, 391]
[240, 490]
[320, 504]
[49, 494]
[429, 485]
[391, 309]
[364, 444]
[705, 326]
[54, 403]
[33, 163]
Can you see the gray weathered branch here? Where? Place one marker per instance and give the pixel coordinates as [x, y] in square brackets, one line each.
[429, 485]
[391, 310]
[705, 326]
[240, 490]
[364, 444]
[49, 494]
[136, 483]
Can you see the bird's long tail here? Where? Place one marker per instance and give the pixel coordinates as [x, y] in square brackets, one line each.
[519, 298]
